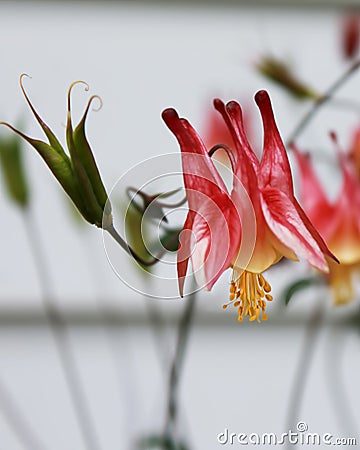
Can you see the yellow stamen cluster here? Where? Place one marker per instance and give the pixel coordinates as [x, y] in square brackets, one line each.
[249, 292]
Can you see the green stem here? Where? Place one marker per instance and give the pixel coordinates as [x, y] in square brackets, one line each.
[58, 329]
[320, 102]
[302, 372]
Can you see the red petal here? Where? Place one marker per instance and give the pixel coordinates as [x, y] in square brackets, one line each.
[274, 167]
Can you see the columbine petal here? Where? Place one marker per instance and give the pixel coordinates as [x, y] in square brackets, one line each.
[212, 217]
[245, 159]
[274, 167]
[283, 219]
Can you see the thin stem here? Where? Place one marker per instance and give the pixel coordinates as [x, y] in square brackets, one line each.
[321, 101]
[58, 329]
[301, 375]
[175, 371]
[17, 421]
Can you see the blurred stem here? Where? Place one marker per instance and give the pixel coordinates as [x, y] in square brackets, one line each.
[320, 102]
[335, 381]
[61, 338]
[176, 367]
[312, 333]
[17, 422]
[158, 325]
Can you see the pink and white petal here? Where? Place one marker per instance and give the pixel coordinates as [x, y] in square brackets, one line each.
[223, 234]
[215, 227]
[313, 231]
[284, 221]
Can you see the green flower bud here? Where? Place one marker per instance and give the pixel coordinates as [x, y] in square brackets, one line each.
[77, 172]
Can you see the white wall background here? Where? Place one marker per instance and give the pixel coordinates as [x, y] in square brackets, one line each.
[141, 59]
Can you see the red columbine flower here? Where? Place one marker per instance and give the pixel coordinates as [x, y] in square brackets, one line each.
[338, 222]
[262, 196]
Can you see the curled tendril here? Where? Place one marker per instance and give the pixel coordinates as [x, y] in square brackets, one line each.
[228, 152]
[132, 192]
[87, 87]
[91, 99]
[28, 100]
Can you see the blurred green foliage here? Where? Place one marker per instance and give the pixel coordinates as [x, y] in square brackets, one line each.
[282, 74]
[13, 170]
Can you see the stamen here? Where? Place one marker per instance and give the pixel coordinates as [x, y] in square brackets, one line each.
[249, 293]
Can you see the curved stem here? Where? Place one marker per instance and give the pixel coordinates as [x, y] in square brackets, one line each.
[303, 367]
[58, 329]
[320, 102]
